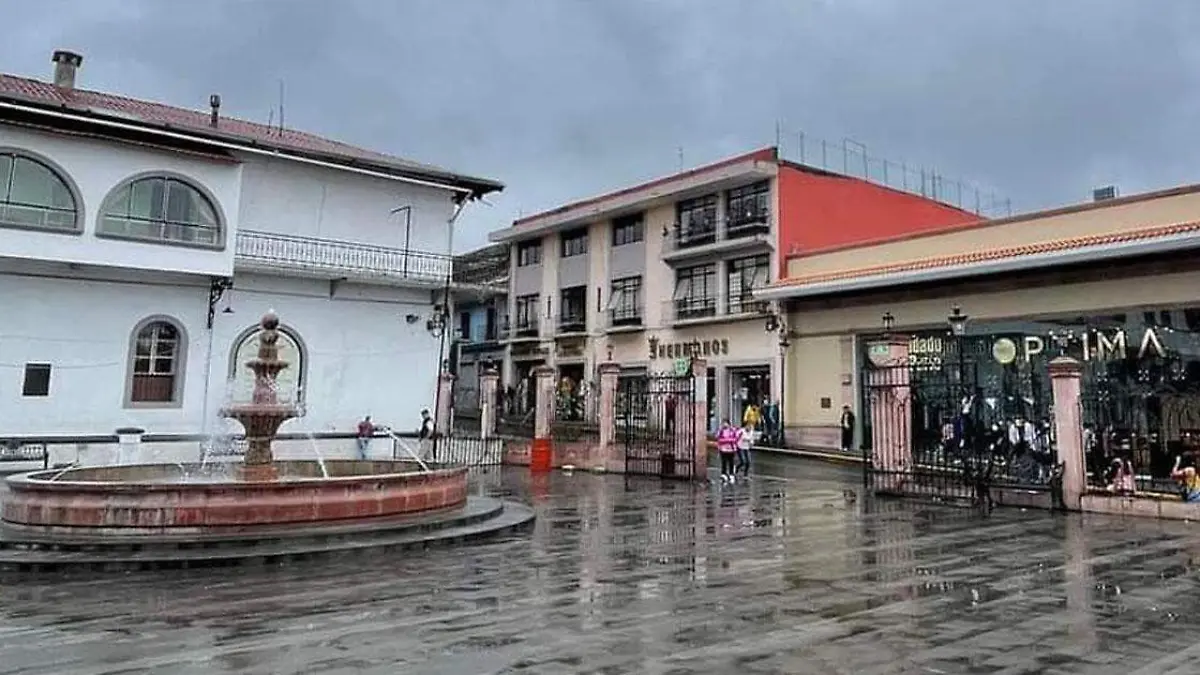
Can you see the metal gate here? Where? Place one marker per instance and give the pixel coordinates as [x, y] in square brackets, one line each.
[656, 425]
[928, 432]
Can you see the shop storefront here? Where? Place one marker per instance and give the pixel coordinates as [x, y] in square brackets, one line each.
[1141, 378]
[740, 360]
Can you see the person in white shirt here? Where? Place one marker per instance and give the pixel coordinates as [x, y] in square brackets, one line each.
[745, 439]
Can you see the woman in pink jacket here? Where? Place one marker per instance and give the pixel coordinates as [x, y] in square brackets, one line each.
[727, 445]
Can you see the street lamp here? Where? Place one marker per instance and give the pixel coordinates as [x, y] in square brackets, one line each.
[957, 321]
[888, 322]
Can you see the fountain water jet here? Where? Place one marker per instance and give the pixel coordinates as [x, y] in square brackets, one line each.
[262, 416]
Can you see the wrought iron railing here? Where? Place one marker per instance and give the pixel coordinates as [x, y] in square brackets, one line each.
[314, 254]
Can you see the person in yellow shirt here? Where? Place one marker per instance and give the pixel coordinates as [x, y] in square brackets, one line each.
[751, 416]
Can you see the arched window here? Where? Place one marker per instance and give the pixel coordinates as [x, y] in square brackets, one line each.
[289, 383]
[160, 208]
[157, 363]
[34, 195]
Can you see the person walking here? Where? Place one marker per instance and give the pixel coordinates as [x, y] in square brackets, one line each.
[727, 445]
[745, 440]
[847, 424]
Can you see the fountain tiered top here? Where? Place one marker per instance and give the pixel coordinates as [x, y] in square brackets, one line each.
[263, 414]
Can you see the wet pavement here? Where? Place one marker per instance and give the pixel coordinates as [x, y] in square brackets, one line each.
[795, 574]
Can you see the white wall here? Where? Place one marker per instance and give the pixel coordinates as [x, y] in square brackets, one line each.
[363, 356]
[286, 197]
[96, 167]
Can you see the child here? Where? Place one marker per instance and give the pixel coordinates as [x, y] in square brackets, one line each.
[727, 445]
[1185, 474]
[745, 439]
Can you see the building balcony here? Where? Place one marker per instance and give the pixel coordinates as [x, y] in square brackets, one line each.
[334, 259]
[688, 309]
[520, 328]
[746, 235]
[571, 323]
[627, 317]
[746, 305]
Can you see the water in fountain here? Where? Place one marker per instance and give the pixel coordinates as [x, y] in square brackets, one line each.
[312, 440]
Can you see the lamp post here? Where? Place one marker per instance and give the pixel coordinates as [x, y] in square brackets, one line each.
[958, 328]
[773, 325]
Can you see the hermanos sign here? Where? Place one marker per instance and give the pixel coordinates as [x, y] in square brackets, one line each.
[692, 348]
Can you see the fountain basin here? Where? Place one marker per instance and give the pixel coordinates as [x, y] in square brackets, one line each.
[168, 498]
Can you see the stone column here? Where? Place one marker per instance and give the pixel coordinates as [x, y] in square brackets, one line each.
[541, 455]
[700, 413]
[1065, 380]
[609, 449]
[489, 382]
[891, 414]
[445, 403]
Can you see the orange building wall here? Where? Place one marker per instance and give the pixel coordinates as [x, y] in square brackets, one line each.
[819, 212]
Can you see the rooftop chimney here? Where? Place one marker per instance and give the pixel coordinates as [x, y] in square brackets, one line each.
[214, 102]
[65, 65]
[1105, 193]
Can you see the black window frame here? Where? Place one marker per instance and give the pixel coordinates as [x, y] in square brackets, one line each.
[696, 220]
[572, 308]
[529, 253]
[625, 301]
[573, 243]
[35, 382]
[748, 208]
[696, 305]
[741, 300]
[629, 229]
[525, 313]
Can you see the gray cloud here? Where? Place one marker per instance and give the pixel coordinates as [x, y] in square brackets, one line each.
[562, 99]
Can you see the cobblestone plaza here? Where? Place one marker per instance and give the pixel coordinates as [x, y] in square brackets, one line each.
[793, 572]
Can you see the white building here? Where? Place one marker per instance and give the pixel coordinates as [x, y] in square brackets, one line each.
[140, 243]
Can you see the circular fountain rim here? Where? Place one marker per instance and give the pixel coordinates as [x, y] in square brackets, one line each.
[56, 478]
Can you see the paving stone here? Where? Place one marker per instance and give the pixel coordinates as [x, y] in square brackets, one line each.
[787, 575]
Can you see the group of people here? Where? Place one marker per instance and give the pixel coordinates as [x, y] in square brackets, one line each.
[733, 445]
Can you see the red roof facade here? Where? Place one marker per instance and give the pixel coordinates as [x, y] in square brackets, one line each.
[231, 130]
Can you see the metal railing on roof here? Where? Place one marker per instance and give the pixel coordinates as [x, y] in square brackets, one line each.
[850, 158]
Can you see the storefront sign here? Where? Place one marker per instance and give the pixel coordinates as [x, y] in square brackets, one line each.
[1093, 346]
[683, 367]
[929, 353]
[687, 350]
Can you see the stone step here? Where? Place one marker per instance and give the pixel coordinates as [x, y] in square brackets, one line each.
[476, 509]
[512, 517]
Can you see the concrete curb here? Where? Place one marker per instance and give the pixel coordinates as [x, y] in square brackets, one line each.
[823, 455]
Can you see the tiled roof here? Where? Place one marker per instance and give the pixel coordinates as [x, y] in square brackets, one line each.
[196, 123]
[996, 254]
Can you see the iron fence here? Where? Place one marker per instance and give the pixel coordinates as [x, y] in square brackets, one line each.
[576, 413]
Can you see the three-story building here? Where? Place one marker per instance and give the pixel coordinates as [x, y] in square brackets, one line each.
[654, 274]
[140, 243]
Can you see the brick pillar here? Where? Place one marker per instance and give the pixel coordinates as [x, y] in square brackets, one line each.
[700, 415]
[609, 450]
[891, 414]
[489, 383]
[541, 455]
[1065, 380]
[445, 403]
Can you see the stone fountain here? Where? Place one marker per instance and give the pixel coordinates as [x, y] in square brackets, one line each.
[262, 416]
[259, 500]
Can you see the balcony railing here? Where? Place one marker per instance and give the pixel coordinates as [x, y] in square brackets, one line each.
[525, 326]
[748, 224]
[683, 309]
[625, 316]
[745, 304]
[572, 322]
[285, 251]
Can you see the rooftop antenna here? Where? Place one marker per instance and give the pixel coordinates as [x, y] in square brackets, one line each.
[271, 119]
[681, 158]
[281, 107]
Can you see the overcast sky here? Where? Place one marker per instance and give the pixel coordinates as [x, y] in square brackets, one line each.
[562, 99]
